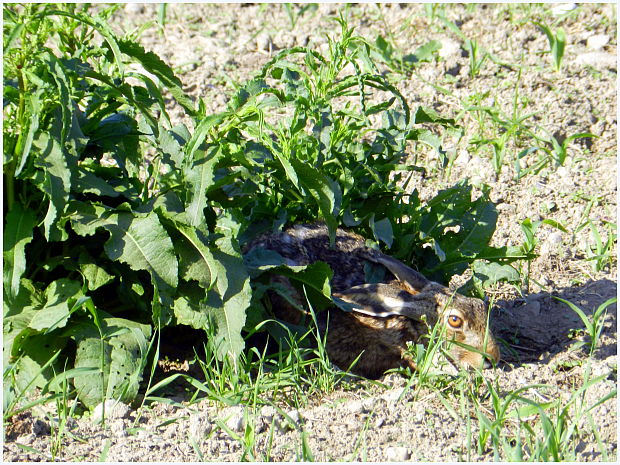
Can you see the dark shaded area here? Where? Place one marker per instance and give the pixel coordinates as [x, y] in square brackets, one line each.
[538, 327]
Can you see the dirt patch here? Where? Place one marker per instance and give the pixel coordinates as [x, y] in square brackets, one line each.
[215, 46]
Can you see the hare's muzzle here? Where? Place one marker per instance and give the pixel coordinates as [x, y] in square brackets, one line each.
[487, 359]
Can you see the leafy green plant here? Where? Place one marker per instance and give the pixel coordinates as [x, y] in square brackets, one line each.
[601, 252]
[119, 223]
[477, 57]
[594, 324]
[557, 42]
[529, 228]
[553, 152]
[90, 216]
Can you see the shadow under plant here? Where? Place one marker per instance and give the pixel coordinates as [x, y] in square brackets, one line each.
[539, 326]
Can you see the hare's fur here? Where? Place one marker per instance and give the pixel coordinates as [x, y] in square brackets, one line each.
[386, 315]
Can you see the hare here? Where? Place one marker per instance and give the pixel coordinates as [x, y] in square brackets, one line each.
[383, 315]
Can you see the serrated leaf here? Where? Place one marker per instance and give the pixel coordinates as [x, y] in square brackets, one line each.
[191, 312]
[197, 261]
[57, 72]
[326, 192]
[117, 358]
[170, 147]
[199, 177]
[18, 231]
[56, 182]
[142, 243]
[233, 286]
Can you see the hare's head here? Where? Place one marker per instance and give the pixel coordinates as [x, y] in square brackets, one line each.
[465, 322]
[416, 297]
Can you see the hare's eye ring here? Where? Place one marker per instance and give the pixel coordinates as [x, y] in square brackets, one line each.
[455, 321]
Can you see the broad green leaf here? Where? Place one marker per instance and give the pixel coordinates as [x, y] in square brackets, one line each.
[488, 273]
[428, 115]
[117, 357]
[56, 182]
[89, 183]
[225, 304]
[95, 275]
[199, 177]
[426, 51]
[18, 231]
[382, 231]
[60, 295]
[196, 260]
[33, 368]
[233, 286]
[462, 228]
[86, 218]
[192, 312]
[314, 276]
[261, 259]
[15, 332]
[142, 243]
[288, 168]
[325, 191]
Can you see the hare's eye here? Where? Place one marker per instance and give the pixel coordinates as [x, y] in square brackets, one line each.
[455, 321]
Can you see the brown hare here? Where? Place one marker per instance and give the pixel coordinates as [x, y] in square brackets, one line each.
[384, 315]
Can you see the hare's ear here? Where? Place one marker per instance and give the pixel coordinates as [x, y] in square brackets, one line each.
[383, 300]
[409, 277]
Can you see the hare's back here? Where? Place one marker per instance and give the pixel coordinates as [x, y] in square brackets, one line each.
[345, 257]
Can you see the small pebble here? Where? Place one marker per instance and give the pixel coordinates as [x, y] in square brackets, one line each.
[113, 410]
[598, 60]
[597, 41]
[397, 454]
[563, 8]
[134, 8]
[118, 428]
[236, 422]
[355, 406]
[449, 47]
[264, 42]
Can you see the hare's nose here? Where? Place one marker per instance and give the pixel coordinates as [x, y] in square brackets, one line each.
[487, 364]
